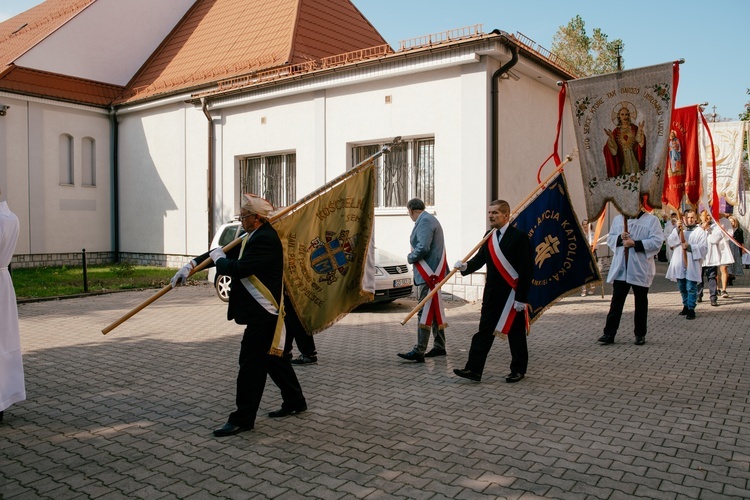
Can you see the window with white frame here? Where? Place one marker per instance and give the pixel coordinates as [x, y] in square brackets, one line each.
[88, 162]
[66, 160]
[272, 177]
[408, 171]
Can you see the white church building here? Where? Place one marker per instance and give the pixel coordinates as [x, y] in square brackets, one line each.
[131, 128]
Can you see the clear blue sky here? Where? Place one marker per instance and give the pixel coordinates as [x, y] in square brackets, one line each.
[710, 36]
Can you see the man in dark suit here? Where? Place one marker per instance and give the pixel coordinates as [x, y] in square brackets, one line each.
[509, 259]
[256, 267]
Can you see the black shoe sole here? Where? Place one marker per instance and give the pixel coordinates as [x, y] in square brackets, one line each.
[285, 413]
[411, 358]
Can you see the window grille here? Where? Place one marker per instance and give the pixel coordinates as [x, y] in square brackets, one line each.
[273, 177]
[408, 171]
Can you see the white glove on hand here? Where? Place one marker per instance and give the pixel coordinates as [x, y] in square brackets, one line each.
[180, 278]
[518, 306]
[461, 266]
[216, 254]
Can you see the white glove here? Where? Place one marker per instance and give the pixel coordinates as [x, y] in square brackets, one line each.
[216, 254]
[180, 278]
[518, 306]
[461, 266]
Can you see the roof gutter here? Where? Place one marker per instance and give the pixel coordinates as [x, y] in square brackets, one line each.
[210, 194]
[495, 167]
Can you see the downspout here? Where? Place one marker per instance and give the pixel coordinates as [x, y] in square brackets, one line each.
[495, 169]
[204, 106]
[114, 152]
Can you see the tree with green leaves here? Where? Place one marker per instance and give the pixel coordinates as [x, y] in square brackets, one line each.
[745, 116]
[586, 55]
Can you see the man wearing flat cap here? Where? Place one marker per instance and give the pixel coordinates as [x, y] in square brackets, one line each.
[255, 300]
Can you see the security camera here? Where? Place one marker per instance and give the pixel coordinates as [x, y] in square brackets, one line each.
[3, 109]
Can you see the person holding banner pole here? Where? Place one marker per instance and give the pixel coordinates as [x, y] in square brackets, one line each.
[686, 266]
[256, 301]
[430, 266]
[509, 260]
[635, 242]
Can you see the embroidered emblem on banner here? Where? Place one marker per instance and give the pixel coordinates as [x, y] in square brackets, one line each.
[332, 256]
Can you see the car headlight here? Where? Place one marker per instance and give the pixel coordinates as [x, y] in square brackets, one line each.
[379, 271]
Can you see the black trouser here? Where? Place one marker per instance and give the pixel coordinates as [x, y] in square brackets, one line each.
[296, 332]
[482, 341]
[620, 291]
[255, 364]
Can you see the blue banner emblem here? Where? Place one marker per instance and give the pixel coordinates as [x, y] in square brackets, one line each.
[562, 258]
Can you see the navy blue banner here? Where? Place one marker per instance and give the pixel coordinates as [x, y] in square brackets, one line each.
[562, 258]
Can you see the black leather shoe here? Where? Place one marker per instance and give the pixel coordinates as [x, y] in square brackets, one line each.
[606, 339]
[684, 311]
[434, 352]
[690, 314]
[640, 340]
[468, 374]
[283, 412]
[714, 302]
[230, 430]
[412, 356]
[514, 377]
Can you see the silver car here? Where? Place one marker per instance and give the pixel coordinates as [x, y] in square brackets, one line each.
[393, 275]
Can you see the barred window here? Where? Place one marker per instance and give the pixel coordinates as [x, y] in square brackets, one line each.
[408, 171]
[272, 177]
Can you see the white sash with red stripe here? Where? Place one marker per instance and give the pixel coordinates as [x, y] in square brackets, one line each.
[510, 276]
[433, 310]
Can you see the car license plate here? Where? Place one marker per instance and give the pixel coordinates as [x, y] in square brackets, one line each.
[401, 282]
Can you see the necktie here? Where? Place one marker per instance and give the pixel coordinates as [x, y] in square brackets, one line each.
[499, 235]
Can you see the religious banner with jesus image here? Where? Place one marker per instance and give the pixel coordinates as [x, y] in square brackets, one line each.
[622, 122]
[683, 162]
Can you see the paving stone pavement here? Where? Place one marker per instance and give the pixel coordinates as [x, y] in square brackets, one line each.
[130, 414]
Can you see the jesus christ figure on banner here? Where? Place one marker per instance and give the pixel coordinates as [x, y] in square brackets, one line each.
[625, 151]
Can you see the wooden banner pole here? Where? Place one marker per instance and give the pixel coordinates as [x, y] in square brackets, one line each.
[285, 211]
[541, 185]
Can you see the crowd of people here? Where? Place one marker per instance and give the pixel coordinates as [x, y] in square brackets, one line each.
[699, 251]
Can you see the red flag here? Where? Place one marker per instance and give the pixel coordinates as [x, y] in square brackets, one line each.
[683, 176]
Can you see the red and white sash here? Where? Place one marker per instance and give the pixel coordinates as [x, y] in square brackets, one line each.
[433, 310]
[510, 276]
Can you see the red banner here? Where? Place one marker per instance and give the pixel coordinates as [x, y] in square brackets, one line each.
[683, 176]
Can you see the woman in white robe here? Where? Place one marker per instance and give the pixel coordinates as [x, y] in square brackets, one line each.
[12, 389]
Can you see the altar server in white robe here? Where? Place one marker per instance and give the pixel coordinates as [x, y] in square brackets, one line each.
[12, 389]
[686, 265]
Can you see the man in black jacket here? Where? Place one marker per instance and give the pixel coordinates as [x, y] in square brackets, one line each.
[256, 268]
[509, 259]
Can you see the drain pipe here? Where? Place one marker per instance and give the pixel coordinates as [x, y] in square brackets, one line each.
[495, 170]
[114, 152]
[204, 106]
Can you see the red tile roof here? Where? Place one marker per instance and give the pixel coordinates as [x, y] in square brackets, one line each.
[66, 88]
[221, 39]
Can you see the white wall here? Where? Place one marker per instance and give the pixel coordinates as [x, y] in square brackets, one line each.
[93, 46]
[159, 206]
[14, 165]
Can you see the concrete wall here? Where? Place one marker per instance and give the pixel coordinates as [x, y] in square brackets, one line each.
[54, 217]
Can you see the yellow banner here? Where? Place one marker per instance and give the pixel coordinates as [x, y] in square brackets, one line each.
[327, 244]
